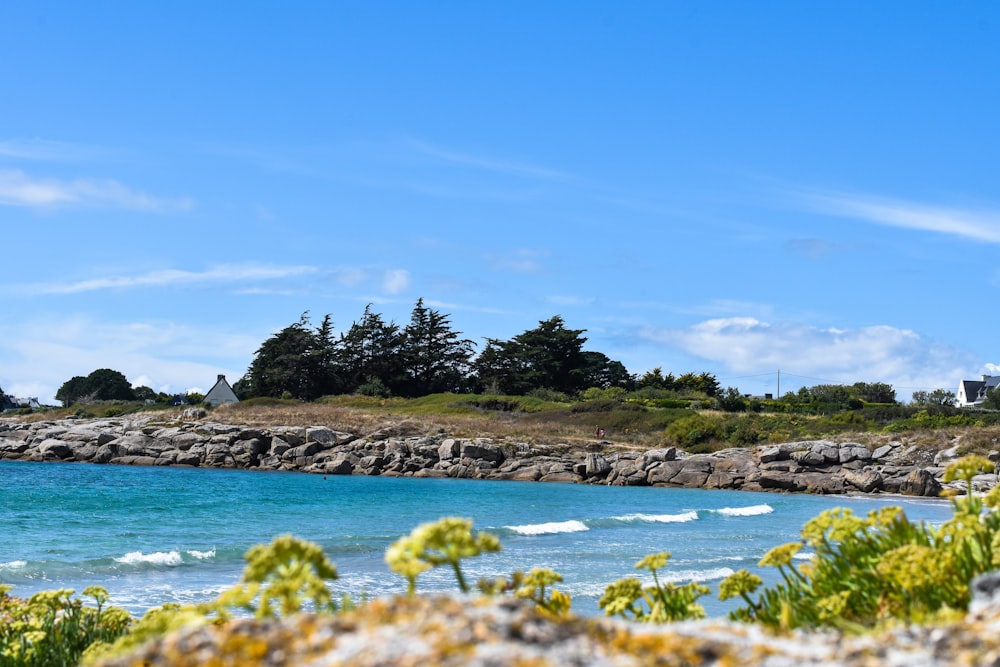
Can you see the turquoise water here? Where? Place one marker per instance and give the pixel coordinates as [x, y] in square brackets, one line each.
[156, 535]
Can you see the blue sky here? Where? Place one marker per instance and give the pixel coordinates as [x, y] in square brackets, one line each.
[728, 187]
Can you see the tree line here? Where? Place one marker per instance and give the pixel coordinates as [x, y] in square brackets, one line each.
[426, 356]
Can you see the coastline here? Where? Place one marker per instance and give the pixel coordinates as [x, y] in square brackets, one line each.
[190, 440]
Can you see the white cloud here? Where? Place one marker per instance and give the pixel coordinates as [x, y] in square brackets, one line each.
[970, 224]
[19, 189]
[746, 345]
[350, 277]
[395, 281]
[170, 277]
[38, 357]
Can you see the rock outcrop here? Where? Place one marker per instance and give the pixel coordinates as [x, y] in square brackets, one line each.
[456, 632]
[819, 466]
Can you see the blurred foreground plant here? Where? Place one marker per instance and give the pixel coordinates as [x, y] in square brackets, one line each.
[659, 603]
[53, 628]
[282, 577]
[443, 542]
[864, 572]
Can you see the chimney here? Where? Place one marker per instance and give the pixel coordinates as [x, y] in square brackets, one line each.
[222, 378]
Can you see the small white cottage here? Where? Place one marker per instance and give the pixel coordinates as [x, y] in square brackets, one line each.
[221, 393]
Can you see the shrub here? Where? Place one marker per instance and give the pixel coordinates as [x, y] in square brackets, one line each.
[659, 603]
[53, 628]
[693, 430]
[869, 571]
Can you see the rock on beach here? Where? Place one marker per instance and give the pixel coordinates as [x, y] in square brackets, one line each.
[815, 466]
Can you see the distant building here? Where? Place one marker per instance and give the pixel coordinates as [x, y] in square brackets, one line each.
[11, 402]
[221, 393]
[7, 402]
[972, 393]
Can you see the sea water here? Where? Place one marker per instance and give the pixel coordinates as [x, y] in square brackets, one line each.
[156, 535]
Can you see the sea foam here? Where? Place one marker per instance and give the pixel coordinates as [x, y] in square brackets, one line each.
[201, 555]
[695, 575]
[684, 517]
[14, 565]
[156, 558]
[753, 510]
[550, 528]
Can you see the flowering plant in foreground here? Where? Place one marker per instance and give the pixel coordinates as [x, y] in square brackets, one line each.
[55, 628]
[659, 603]
[879, 569]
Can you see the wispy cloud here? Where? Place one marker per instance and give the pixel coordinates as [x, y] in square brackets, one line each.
[48, 150]
[20, 189]
[511, 168]
[977, 225]
[746, 345]
[395, 281]
[813, 248]
[170, 277]
[521, 260]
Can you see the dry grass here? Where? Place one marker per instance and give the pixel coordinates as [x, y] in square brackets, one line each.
[367, 421]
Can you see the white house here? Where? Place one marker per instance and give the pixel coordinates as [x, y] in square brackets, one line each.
[972, 393]
[221, 393]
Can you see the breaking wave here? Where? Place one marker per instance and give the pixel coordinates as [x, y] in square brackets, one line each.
[753, 510]
[550, 528]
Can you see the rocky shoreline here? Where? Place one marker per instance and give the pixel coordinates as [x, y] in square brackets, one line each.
[818, 466]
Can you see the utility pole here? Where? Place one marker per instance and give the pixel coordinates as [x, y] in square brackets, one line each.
[778, 396]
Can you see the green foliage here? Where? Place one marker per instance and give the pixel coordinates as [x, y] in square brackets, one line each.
[103, 384]
[53, 628]
[374, 386]
[436, 359]
[616, 394]
[659, 603]
[731, 400]
[693, 430]
[297, 361]
[935, 397]
[534, 586]
[924, 419]
[282, 577]
[549, 395]
[874, 570]
[548, 356]
[444, 542]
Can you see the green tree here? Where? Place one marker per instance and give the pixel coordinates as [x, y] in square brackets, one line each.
[702, 382]
[371, 348]
[935, 397]
[655, 379]
[874, 392]
[436, 358]
[144, 393]
[601, 372]
[549, 356]
[103, 384]
[731, 400]
[72, 390]
[296, 361]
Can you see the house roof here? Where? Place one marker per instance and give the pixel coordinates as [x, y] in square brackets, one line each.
[971, 388]
[221, 392]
